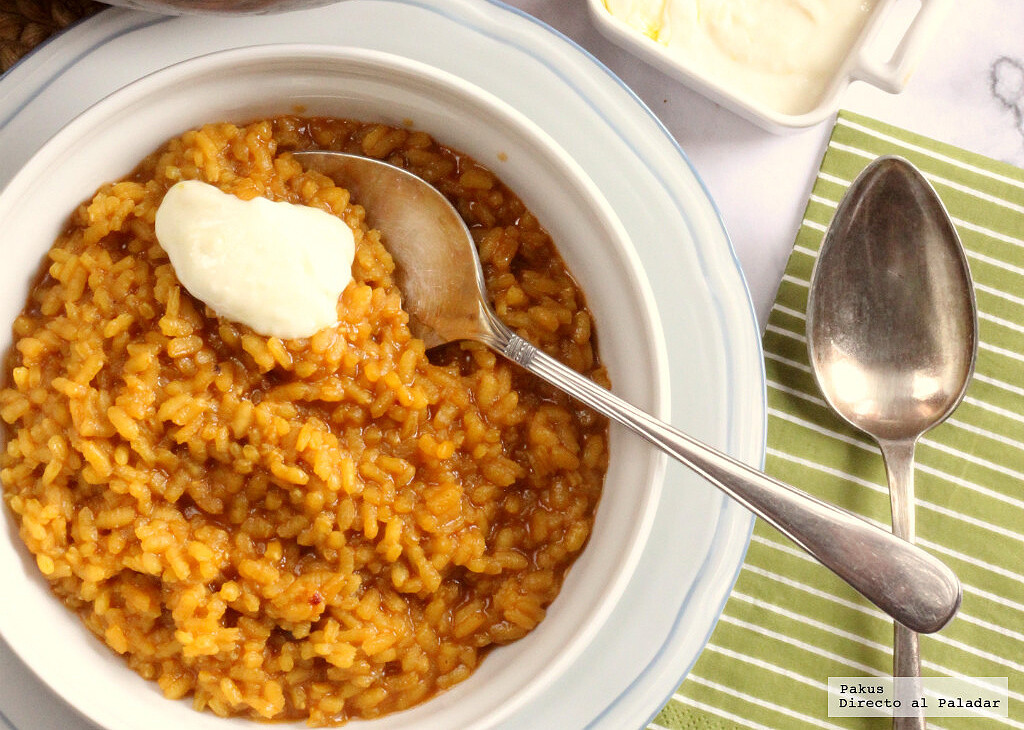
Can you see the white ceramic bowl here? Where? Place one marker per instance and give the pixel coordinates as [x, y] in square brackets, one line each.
[888, 29]
[106, 142]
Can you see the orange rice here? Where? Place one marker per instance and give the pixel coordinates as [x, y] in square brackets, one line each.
[326, 528]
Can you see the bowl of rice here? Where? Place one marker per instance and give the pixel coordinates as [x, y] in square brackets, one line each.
[206, 526]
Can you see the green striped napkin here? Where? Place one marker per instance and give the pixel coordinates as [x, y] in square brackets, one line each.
[790, 624]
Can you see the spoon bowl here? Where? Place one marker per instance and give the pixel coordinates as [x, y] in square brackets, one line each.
[436, 266]
[443, 291]
[891, 318]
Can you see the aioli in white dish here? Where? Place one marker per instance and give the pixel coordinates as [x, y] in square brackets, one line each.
[780, 53]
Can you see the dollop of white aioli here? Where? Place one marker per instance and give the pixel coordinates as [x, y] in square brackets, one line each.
[274, 266]
[781, 53]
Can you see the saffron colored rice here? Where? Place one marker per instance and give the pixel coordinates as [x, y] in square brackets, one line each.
[326, 528]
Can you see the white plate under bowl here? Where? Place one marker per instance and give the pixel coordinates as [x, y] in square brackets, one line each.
[698, 539]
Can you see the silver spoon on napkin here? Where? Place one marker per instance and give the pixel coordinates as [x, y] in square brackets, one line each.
[443, 291]
[892, 333]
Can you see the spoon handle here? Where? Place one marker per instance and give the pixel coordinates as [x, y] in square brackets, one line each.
[904, 581]
[906, 653]
[907, 664]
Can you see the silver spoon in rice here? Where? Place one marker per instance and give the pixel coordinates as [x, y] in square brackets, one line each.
[443, 290]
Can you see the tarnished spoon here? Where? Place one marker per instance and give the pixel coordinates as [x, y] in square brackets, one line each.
[443, 291]
[892, 333]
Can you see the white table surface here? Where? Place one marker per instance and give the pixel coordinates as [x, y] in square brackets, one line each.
[968, 90]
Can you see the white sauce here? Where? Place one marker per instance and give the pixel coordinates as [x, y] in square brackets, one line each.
[277, 267]
[783, 54]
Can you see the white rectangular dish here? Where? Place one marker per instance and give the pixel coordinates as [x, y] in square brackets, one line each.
[782, 64]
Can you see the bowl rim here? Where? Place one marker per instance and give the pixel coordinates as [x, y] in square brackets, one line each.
[52, 150]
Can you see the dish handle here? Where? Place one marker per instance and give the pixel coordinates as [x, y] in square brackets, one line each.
[893, 74]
